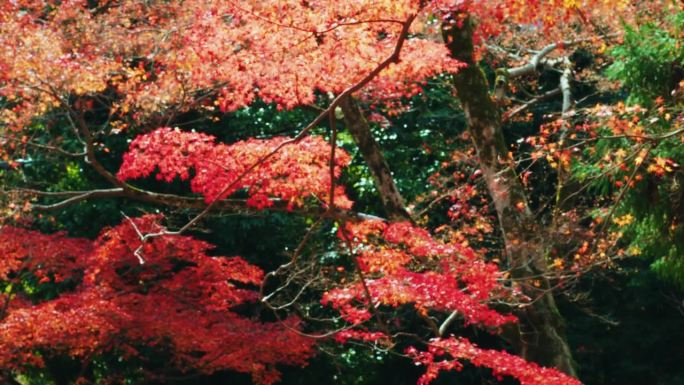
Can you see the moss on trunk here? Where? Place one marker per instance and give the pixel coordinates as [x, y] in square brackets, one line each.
[539, 336]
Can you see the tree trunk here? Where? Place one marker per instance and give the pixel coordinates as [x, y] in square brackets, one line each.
[539, 336]
[359, 129]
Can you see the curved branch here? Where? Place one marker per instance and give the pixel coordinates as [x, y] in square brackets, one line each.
[182, 202]
[538, 60]
[393, 58]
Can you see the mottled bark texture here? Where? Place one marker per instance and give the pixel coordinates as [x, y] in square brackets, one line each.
[358, 127]
[539, 336]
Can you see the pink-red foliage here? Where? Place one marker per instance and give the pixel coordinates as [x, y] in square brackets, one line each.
[443, 355]
[53, 257]
[181, 300]
[218, 54]
[297, 172]
[404, 264]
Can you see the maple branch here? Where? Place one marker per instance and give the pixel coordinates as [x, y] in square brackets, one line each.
[138, 250]
[534, 65]
[650, 138]
[447, 322]
[333, 145]
[431, 323]
[624, 189]
[84, 135]
[310, 30]
[46, 147]
[90, 151]
[653, 140]
[362, 278]
[264, 299]
[183, 202]
[393, 58]
[514, 56]
[514, 111]
[293, 260]
[538, 60]
[600, 175]
[535, 62]
[78, 196]
[565, 90]
[294, 299]
[564, 86]
[435, 201]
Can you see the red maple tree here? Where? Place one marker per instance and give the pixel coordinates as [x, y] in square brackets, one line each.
[140, 284]
[181, 300]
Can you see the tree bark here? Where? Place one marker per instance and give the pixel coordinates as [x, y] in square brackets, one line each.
[539, 335]
[359, 129]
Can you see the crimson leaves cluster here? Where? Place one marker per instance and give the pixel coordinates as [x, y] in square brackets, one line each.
[298, 171]
[181, 300]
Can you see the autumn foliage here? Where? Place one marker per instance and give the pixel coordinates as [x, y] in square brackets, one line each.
[450, 277]
[109, 68]
[181, 301]
[297, 172]
[501, 363]
[405, 265]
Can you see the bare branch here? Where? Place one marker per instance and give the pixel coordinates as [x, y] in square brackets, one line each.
[565, 88]
[538, 60]
[447, 322]
[80, 196]
[48, 147]
[514, 111]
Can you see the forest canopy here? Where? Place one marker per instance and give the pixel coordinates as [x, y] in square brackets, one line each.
[349, 192]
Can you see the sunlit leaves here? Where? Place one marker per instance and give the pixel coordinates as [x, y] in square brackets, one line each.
[406, 265]
[443, 354]
[296, 172]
